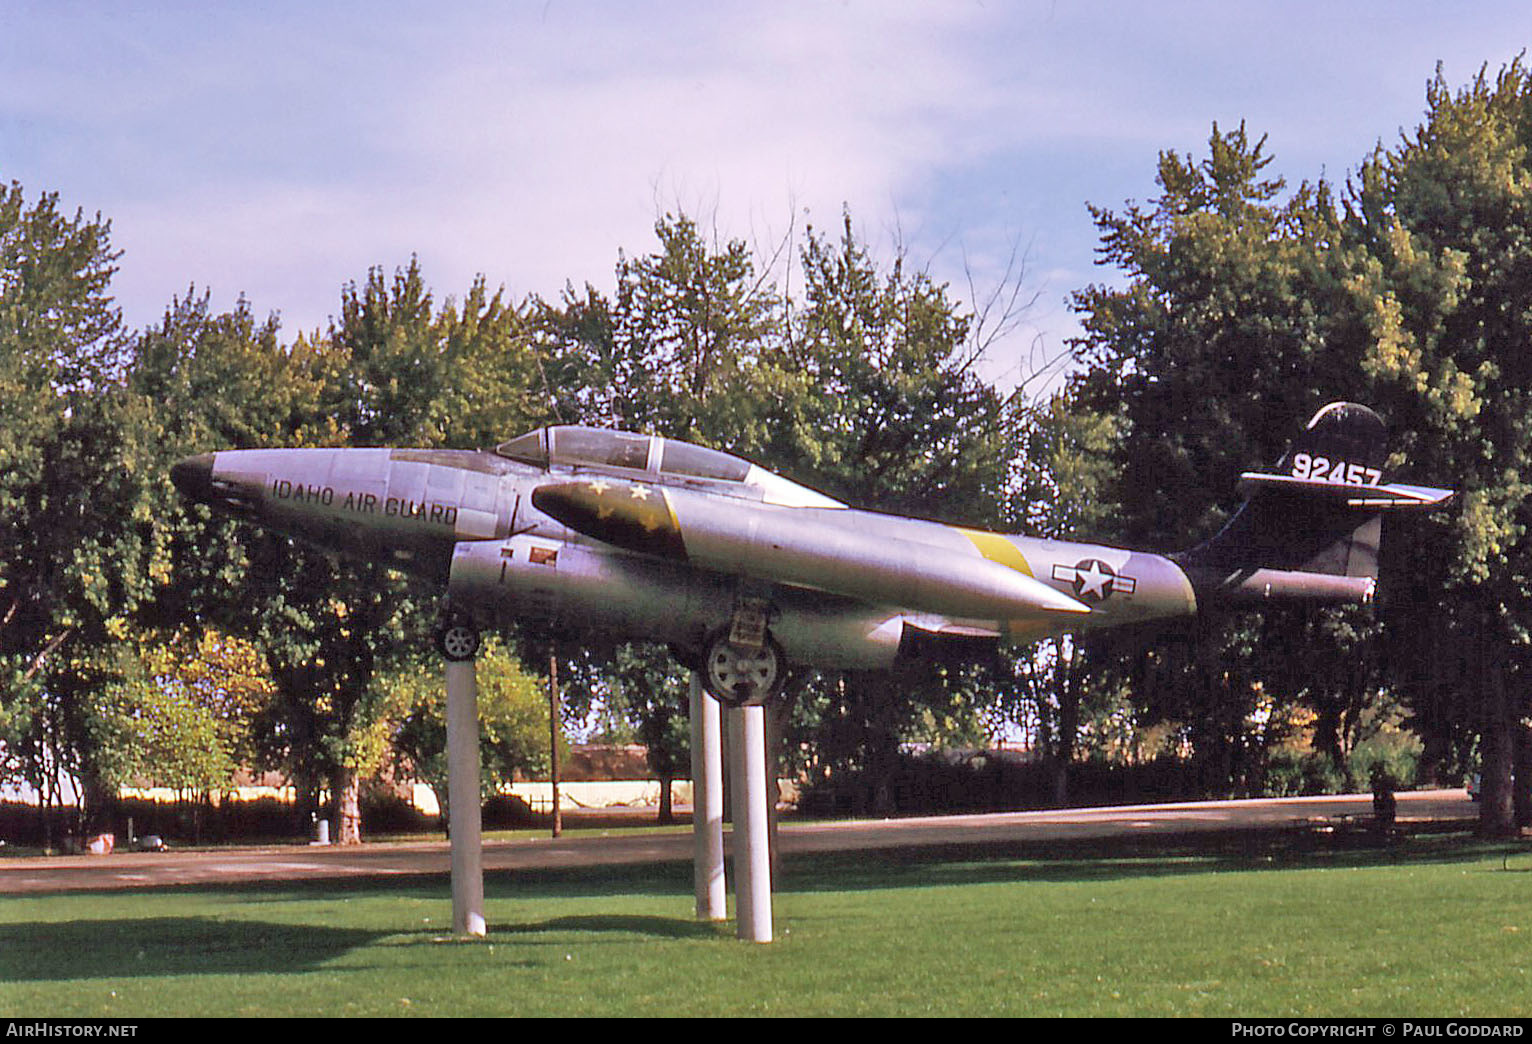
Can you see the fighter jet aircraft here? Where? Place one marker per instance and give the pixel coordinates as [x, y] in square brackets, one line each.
[743, 572]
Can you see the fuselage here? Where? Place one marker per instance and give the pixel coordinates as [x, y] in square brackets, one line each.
[656, 539]
[737, 568]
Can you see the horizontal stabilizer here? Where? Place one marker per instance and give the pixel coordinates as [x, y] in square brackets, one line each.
[1391, 496]
[1310, 525]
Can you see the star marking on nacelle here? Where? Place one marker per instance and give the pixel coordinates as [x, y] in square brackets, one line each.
[1093, 580]
[639, 492]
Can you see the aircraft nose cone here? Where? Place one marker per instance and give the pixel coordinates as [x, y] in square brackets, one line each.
[194, 477]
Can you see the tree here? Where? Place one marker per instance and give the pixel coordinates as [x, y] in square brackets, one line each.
[1246, 309]
[178, 714]
[874, 399]
[1444, 219]
[1238, 318]
[392, 370]
[678, 350]
[224, 381]
[1061, 487]
[395, 371]
[79, 549]
[513, 722]
[874, 395]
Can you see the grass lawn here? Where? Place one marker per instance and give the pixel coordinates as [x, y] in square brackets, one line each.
[1271, 924]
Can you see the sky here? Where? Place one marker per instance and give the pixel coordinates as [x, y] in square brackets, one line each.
[279, 151]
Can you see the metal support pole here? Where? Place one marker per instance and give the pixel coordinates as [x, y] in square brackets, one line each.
[707, 804]
[463, 798]
[752, 830]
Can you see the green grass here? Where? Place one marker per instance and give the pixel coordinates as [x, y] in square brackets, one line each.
[1274, 925]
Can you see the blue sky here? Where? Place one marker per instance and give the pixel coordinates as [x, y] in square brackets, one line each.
[280, 150]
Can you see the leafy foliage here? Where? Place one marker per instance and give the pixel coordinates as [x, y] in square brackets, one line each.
[1248, 303]
[513, 721]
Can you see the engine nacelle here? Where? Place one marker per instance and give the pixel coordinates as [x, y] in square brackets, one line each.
[584, 587]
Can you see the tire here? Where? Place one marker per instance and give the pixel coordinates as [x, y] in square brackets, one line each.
[457, 642]
[740, 677]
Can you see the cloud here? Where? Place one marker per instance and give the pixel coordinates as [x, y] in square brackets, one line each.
[280, 156]
[281, 150]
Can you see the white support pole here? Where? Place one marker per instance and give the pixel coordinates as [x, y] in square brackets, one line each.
[707, 804]
[752, 830]
[463, 798]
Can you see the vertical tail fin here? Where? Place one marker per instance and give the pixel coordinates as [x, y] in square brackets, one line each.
[1310, 528]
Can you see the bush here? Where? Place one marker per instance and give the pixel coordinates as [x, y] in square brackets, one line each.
[942, 781]
[1292, 773]
[1396, 753]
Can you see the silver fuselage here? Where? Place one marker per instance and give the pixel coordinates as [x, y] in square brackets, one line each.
[843, 588]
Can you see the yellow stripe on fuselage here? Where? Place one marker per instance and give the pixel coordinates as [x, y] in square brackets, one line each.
[997, 548]
[675, 524]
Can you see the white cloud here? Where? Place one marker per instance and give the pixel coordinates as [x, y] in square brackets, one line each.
[281, 150]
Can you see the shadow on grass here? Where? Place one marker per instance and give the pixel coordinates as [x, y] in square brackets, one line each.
[656, 927]
[1100, 859]
[1084, 860]
[99, 946]
[154, 946]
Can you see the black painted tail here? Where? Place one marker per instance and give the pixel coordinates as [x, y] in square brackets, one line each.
[1310, 528]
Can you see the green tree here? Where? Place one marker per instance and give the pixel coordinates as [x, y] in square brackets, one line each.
[397, 371]
[875, 399]
[1445, 220]
[678, 350]
[220, 381]
[864, 389]
[394, 369]
[177, 713]
[79, 548]
[513, 722]
[874, 396]
[1246, 309]
[653, 693]
[1062, 488]
[1238, 322]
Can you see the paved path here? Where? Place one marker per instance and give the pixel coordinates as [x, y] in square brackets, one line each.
[584, 848]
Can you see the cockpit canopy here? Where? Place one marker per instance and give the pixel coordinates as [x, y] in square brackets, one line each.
[656, 458]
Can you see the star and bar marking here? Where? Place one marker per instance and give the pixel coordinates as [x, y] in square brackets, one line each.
[1093, 580]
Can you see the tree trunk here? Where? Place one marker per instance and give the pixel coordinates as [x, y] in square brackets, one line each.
[444, 811]
[305, 804]
[667, 812]
[1521, 778]
[1069, 721]
[347, 817]
[1496, 813]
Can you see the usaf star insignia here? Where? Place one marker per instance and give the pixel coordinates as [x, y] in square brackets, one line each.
[1093, 580]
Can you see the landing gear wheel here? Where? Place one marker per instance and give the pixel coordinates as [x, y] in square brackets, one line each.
[740, 676]
[456, 641]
